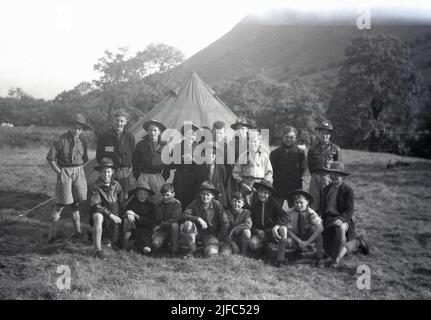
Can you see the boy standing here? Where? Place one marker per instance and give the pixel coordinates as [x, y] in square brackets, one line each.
[320, 156]
[204, 221]
[147, 161]
[168, 212]
[66, 157]
[289, 164]
[140, 216]
[118, 145]
[239, 227]
[337, 211]
[106, 203]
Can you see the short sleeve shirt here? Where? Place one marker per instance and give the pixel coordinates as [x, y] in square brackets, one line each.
[68, 151]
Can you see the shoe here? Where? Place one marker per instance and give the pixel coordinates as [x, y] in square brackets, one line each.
[54, 239]
[318, 262]
[363, 247]
[100, 255]
[278, 263]
[76, 236]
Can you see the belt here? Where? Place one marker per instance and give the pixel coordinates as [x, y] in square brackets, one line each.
[71, 166]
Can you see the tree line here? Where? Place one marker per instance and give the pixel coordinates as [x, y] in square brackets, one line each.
[376, 101]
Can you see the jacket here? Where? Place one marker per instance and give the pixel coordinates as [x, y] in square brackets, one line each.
[147, 158]
[166, 214]
[320, 155]
[117, 147]
[107, 199]
[266, 215]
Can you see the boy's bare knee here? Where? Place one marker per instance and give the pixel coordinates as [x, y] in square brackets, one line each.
[246, 234]
[290, 243]
[157, 243]
[282, 232]
[255, 243]
[211, 251]
[97, 220]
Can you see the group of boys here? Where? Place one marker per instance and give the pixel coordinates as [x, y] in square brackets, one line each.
[219, 207]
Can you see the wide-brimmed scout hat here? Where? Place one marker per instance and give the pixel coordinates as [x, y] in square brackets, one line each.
[218, 125]
[207, 185]
[105, 163]
[155, 122]
[264, 183]
[80, 119]
[143, 186]
[192, 125]
[241, 122]
[335, 167]
[325, 125]
[302, 193]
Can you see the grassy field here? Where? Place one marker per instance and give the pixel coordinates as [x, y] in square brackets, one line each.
[392, 211]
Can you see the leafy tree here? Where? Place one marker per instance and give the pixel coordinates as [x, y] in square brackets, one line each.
[376, 101]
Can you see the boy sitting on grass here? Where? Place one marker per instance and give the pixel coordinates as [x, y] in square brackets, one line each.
[304, 226]
[239, 227]
[168, 212]
[267, 216]
[339, 237]
[140, 216]
[106, 203]
[204, 221]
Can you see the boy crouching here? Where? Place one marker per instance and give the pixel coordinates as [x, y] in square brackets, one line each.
[106, 203]
[304, 226]
[204, 221]
[140, 216]
[239, 227]
[168, 212]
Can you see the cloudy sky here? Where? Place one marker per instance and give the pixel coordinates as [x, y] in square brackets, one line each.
[47, 46]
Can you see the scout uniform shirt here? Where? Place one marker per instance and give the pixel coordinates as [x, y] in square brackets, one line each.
[320, 155]
[300, 223]
[68, 151]
[116, 146]
[106, 199]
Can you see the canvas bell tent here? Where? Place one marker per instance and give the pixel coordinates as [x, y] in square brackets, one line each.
[192, 101]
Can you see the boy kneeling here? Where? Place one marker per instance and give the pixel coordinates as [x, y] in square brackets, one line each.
[106, 203]
[140, 216]
[339, 237]
[304, 226]
[267, 216]
[204, 221]
[239, 225]
[168, 212]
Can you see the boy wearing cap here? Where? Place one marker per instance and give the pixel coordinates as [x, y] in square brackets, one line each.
[304, 226]
[289, 164]
[204, 221]
[239, 229]
[319, 156]
[147, 161]
[66, 157]
[168, 213]
[141, 217]
[336, 209]
[267, 216]
[118, 145]
[106, 204]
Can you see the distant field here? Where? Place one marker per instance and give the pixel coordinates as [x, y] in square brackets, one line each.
[24, 137]
[392, 211]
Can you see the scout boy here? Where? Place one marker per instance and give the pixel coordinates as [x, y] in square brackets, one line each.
[336, 209]
[289, 163]
[66, 157]
[267, 216]
[168, 213]
[304, 226]
[319, 156]
[147, 161]
[106, 204]
[118, 145]
[240, 224]
[252, 166]
[204, 221]
[214, 172]
[141, 217]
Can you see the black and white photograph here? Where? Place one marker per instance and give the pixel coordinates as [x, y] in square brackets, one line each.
[220, 151]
